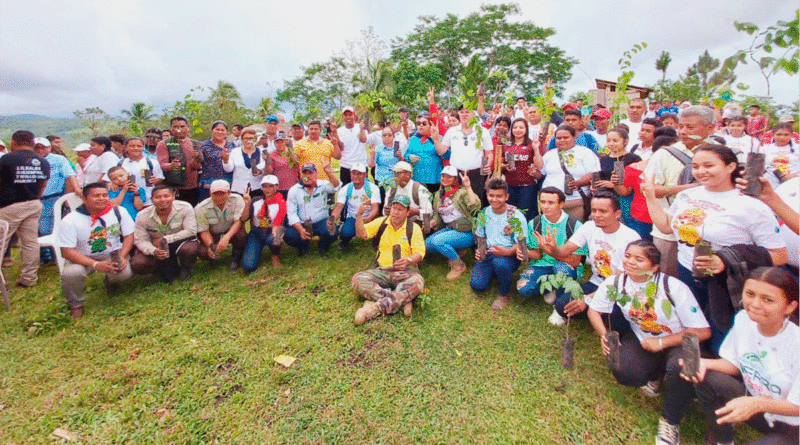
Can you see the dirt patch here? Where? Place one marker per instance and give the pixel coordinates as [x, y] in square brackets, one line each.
[227, 394]
[365, 358]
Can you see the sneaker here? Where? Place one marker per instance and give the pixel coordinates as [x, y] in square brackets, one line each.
[408, 308]
[668, 434]
[457, 267]
[550, 297]
[369, 311]
[652, 388]
[76, 312]
[501, 302]
[556, 320]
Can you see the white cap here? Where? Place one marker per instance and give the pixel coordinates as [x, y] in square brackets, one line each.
[359, 167]
[2, 144]
[786, 118]
[450, 170]
[402, 166]
[220, 185]
[270, 179]
[346, 109]
[43, 141]
[82, 147]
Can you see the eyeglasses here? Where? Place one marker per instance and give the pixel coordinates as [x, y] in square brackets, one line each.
[387, 135]
[152, 136]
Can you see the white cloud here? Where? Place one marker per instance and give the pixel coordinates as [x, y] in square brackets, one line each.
[112, 53]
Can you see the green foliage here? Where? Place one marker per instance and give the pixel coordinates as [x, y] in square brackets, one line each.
[519, 49]
[223, 103]
[412, 81]
[552, 282]
[92, 118]
[650, 291]
[139, 117]
[662, 63]
[624, 79]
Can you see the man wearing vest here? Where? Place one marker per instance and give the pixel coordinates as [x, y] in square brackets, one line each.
[668, 168]
[219, 224]
[307, 209]
[348, 200]
[395, 281]
[96, 237]
[553, 219]
[418, 194]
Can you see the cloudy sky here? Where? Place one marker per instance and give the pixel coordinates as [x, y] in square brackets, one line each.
[75, 54]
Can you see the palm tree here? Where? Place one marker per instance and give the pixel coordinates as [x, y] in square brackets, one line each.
[662, 63]
[139, 116]
[266, 107]
[225, 96]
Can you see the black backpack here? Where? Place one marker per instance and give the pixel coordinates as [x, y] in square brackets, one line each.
[686, 176]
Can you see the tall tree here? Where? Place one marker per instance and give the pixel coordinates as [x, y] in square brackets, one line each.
[662, 63]
[92, 118]
[138, 116]
[518, 48]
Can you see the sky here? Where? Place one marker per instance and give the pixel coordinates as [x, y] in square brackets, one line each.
[57, 57]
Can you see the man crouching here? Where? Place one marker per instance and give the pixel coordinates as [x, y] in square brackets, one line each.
[395, 281]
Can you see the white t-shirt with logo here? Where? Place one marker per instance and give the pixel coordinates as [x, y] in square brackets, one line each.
[652, 322]
[741, 145]
[789, 192]
[606, 250]
[97, 240]
[579, 162]
[723, 219]
[784, 159]
[356, 196]
[770, 366]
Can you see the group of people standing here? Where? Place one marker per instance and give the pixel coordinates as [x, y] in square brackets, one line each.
[632, 205]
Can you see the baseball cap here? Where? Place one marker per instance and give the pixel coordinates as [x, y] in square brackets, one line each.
[786, 118]
[402, 166]
[272, 118]
[281, 135]
[346, 109]
[82, 147]
[359, 167]
[220, 185]
[602, 113]
[450, 170]
[270, 179]
[43, 141]
[309, 166]
[402, 199]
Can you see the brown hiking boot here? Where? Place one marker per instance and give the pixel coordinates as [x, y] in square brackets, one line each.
[408, 308]
[369, 311]
[501, 302]
[457, 267]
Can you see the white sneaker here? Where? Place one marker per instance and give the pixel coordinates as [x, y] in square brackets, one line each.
[652, 388]
[556, 320]
[550, 297]
[668, 434]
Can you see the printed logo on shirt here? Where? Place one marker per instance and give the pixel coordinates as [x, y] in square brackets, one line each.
[602, 262]
[781, 164]
[752, 366]
[686, 223]
[646, 316]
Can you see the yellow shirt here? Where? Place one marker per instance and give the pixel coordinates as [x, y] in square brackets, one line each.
[314, 152]
[391, 237]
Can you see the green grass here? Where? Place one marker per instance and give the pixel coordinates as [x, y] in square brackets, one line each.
[193, 363]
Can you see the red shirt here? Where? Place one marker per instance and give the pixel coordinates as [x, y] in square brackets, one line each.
[523, 158]
[633, 178]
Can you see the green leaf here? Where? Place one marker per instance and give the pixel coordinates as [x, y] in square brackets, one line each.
[666, 307]
[636, 303]
[650, 289]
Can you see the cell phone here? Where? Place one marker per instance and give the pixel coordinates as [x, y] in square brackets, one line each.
[701, 248]
[619, 169]
[397, 253]
[753, 171]
[132, 178]
[691, 354]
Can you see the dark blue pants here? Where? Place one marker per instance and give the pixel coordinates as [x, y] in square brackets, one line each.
[292, 238]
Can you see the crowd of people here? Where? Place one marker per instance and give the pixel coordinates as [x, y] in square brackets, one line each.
[653, 209]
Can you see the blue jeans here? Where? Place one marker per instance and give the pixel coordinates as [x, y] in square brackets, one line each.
[256, 240]
[502, 267]
[527, 286]
[348, 230]
[563, 298]
[292, 238]
[523, 197]
[642, 228]
[447, 241]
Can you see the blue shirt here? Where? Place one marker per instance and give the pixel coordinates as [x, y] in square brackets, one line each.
[60, 170]
[585, 139]
[127, 201]
[384, 161]
[301, 205]
[672, 109]
[495, 228]
[428, 169]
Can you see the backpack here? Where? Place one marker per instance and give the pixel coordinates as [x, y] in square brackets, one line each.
[685, 176]
[414, 193]
[664, 281]
[149, 163]
[367, 191]
[376, 241]
[571, 223]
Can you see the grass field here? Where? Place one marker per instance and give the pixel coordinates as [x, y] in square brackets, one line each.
[193, 363]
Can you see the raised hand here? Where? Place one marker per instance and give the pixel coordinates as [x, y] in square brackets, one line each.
[465, 181]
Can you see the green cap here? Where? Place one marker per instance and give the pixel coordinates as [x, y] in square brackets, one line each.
[402, 199]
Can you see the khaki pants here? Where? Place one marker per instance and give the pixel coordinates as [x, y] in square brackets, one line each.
[390, 288]
[23, 219]
[669, 255]
[73, 278]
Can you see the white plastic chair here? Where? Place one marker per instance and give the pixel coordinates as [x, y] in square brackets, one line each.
[3, 233]
[73, 201]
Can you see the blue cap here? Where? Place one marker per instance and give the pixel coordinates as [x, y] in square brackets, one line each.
[272, 118]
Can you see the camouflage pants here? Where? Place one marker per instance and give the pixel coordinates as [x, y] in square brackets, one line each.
[390, 288]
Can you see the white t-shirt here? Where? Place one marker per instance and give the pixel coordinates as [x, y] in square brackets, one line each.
[354, 150]
[579, 162]
[789, 192]
[272, 211]
[606, 250]
[741, 145]
[633, 132]
[770, 366]
[448, 210]
[76, 231]
[356, 195]
[138, 168]
[652, 322]
[242, 174]
[722, 218]
[643, 153]
[784, 159]
[600, 138]
[97, 167]
[466, 156]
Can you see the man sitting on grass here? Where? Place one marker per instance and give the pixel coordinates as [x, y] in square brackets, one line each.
[395, 281]
[219, 224]
[350, 197]
[165, 232]
[96, 237]
[552, 220]
[501, 226]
